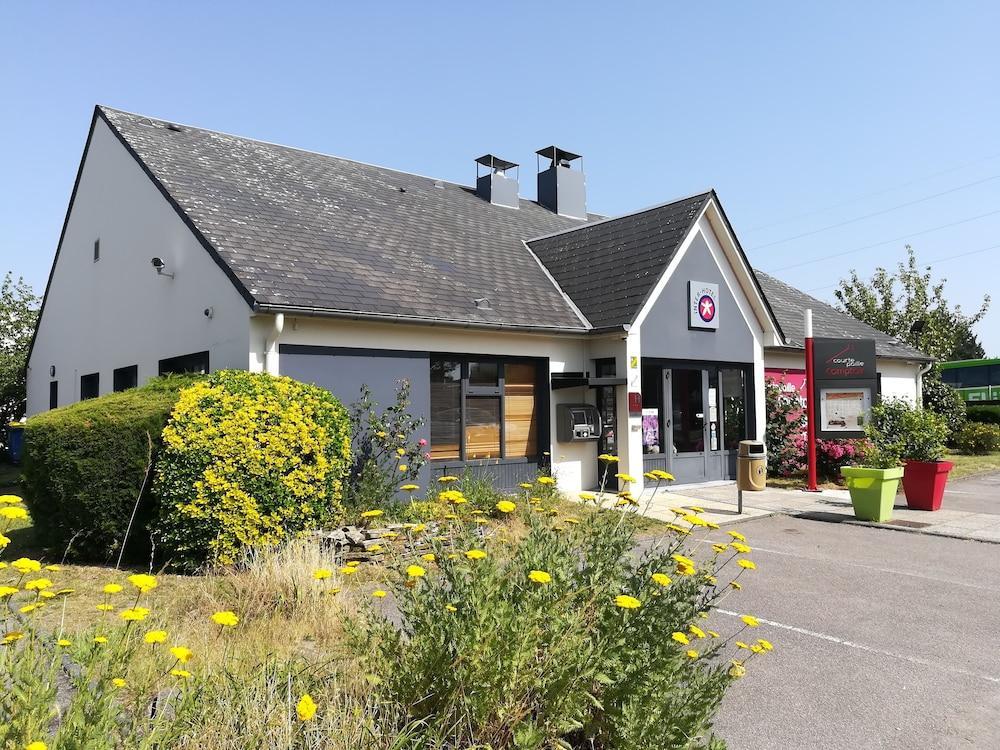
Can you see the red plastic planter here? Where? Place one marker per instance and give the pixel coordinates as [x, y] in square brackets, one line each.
[923, 483]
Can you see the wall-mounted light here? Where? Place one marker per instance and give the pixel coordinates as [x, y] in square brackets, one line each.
[52, 371]
[161, 267]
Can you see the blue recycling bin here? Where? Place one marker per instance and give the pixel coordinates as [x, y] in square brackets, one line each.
[15, 442]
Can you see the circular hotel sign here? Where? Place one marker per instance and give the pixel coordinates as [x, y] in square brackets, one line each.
[704, 305]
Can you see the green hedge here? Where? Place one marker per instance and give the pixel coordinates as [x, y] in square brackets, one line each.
[85, 464]
[983, 414]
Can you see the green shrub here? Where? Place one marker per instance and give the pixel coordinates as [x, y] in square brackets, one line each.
[785, 430]
[983, 414]
[945, 401]
[912, 433]
[86, 464]
[978, 439]
[248, 459]
[562, 639]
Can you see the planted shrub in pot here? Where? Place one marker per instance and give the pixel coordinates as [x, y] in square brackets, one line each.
[924, 435]
[873, 486]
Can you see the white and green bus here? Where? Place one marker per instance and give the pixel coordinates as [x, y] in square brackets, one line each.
[978, 380]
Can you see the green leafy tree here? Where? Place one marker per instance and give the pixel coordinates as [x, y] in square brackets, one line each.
[911, 306]
[18, 313]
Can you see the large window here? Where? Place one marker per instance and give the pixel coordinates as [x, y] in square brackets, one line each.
[484, 408]
[734, 408]
[126, 377]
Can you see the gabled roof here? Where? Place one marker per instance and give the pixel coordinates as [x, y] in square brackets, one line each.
[789, 306]
[609, 268]
[305, 231]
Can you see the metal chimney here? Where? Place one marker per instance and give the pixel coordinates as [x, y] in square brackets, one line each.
[495, 186]
[560, 187]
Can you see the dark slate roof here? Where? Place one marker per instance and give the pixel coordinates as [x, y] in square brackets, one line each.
[300, 229]
[789, 306]
[609, 268]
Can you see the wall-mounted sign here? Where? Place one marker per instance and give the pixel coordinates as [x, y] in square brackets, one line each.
[703, 304]
[846, 383]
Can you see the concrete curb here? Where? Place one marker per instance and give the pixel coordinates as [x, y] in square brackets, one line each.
[892, 527]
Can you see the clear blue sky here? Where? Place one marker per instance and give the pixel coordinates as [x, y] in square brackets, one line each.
[801, 115]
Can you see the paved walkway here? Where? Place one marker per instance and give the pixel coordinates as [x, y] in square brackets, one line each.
[971, 507]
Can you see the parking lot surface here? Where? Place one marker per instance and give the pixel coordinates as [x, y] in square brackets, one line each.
[882, 640]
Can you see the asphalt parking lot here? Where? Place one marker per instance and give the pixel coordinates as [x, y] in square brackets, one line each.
[883, 639]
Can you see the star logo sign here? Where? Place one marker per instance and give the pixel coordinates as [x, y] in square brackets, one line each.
[706, 308]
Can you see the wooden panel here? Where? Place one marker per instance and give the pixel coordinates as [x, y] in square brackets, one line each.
[520, 411]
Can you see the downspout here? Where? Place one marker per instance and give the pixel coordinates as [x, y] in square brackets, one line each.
[271, 345]
[924, 369]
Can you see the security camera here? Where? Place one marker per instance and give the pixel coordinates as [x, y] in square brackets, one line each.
[160, 266]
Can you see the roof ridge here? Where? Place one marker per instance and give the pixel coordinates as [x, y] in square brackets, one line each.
[605, 220]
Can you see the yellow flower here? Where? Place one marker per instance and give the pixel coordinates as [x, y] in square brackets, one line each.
[454, 497]
[678, 529]
[225, 619]
[450, 608]
[13, 512]
[713, 634]
[540, 577]
[750, 621]
[379, 594]
[627, 478]
[6, 591]
[381, 434]
[64, 643]
[306, 708]
[607, 458]
[571, 520]
[4, 541]
[736, 585]
[25, 565]
[741, 644]
[36, 745]
[180, 673]
[737, 536]
[587, 496]
[118, 682]
[680, 638]
[182, 654]
[112, 588]
[447, 479]
[374, 548]
[691, 654]
[38, 584]
[321, 574]
[135, 614]
[741, 548]
[747, 564]
[719, 548]
[737, 670]
[685, 570]
[143, 582]
[53, 568]
[28, 608]
[155, 636]
[765, 645]
[400, 451]
[682, 560]
[695, 509]
[525, 485]
[415, 571]
[105, 607]
[475, 554]
[695, 520]
[429, 557]
[100, 640]
[404, 467]
[10, 500]
[663, 475]
[14, 635]
[661, 578]
[546, 480]
[696, 631]
[409, 488]
[349, 570]
[372, 513]
[506, 506]
[627, 602]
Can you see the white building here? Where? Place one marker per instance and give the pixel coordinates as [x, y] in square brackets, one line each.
[186, 249]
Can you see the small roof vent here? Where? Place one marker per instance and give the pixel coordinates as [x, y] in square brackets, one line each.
[560, 187]
[495, 186]
[173, 127]
[482, 303]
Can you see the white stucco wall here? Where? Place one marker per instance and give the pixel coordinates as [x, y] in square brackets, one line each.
[575, 464]
[900, 379]
[118, 312]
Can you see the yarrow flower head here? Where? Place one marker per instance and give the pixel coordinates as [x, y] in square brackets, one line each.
[321, 574]
[750, 621]
[372, 513]
[548, 481]
[624, 601]
[415, 571]
[746, 564]
[13, 512]
[661, 578]
[155, 636]
[25, 565]
[680, 638]
[540, 577]
[182, 654]
[506, 506]
[134, 614]
[306, 708]
[112, 588]
[475, 554]
[143, 582]
[225, 619]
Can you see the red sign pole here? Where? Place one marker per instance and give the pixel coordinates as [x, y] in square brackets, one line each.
[810, 403]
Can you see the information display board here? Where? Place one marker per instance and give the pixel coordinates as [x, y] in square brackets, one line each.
[846, 386]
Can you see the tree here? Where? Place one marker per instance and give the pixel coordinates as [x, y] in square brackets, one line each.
[18, 313]
[917, 314]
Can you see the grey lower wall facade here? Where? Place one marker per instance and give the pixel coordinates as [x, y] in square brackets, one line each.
[343, 371]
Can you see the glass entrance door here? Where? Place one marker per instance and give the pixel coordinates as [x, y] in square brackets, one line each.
[607, 405]
[688, 427]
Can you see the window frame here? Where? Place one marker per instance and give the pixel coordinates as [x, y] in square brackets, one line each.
[96, 376]
[468, 390]
[53, 394]
[163, 364]
[97, 249]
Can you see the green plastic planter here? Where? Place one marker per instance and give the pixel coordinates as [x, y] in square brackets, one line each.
[873, 491]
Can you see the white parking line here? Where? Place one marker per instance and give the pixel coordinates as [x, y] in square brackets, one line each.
[892, 571]
[870, 649]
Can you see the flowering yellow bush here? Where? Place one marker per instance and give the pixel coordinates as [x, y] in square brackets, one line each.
[247, 460]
